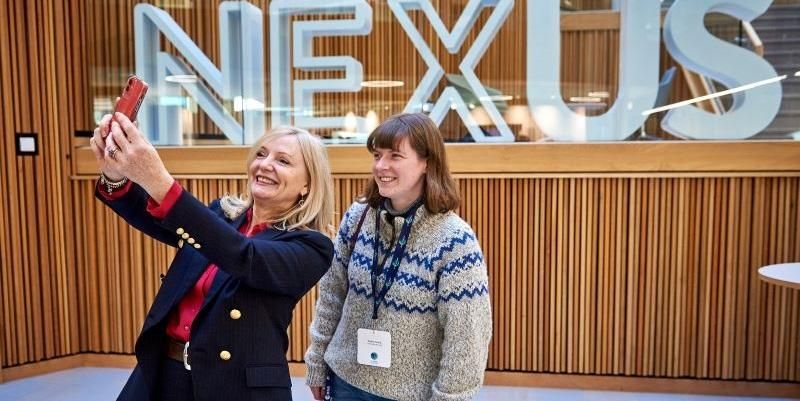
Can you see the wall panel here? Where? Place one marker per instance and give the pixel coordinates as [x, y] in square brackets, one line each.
[615, 275]
[647, 277]
[37, 282]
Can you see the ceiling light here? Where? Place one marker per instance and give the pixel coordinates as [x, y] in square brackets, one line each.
[181, 79]
[247, 104]
[350, 122]
[585, 99]
[496, 98]
[600, 94]
[372, 120]
[381, 84]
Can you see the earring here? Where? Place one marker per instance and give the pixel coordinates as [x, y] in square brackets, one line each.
[302, 200]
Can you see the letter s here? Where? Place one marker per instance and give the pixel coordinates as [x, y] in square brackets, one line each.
[691, 45]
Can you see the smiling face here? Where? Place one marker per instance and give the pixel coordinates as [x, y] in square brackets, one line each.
[399, 174]
[278, 174]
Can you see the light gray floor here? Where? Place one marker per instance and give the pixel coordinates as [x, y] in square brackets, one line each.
[103, 384]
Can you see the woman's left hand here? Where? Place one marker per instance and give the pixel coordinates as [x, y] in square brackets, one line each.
[137, 159]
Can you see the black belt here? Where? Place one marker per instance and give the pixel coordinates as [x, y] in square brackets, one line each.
[178, 351]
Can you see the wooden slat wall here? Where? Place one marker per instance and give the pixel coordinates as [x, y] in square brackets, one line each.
[588, 5]
[622, 276]
[650, 277]
[37, 280]
[616, 276]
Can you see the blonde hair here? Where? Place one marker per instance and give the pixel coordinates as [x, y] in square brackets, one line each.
[316, 210]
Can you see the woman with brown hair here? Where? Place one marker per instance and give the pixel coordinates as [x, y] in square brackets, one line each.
[404, 312]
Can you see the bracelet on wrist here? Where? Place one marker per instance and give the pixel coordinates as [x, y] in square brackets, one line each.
[112, 186]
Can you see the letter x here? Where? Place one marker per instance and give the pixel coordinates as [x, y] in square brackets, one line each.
[453, 42]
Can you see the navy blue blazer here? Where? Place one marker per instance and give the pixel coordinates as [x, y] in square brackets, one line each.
[262, 277]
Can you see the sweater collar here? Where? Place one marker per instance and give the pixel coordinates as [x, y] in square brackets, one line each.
[387, 206]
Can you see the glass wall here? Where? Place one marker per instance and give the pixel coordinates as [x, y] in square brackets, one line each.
[487, 71]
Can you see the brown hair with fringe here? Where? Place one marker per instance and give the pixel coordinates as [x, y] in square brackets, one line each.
[440, 192]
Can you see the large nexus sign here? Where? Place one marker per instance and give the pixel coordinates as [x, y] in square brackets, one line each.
[240, 79]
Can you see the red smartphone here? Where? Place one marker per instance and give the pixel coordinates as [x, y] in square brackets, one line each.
[132, 97]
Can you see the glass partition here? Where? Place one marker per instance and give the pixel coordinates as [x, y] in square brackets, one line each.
[487, 71]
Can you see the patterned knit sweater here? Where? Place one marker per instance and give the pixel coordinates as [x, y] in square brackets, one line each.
[437, 310]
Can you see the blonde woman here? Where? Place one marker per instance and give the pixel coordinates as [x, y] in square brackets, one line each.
[217, 327]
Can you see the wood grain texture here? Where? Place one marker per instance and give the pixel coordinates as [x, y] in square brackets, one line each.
[38, 314]
[625, 260]
[699, 158]
[650, 277]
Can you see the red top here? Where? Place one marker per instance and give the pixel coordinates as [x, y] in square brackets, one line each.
[181, 318]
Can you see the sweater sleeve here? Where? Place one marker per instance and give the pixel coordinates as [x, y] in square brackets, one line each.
[332, 292]
[466, 318]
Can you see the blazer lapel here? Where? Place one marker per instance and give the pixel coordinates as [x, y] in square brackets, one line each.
[193, 266]
[196, 265]
[221, 277]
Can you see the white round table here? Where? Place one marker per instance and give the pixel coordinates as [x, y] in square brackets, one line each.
[785, 274]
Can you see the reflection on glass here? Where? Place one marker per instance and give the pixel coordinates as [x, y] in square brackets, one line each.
[345, 68]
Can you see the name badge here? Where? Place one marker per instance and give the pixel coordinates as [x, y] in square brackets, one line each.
[374, 348]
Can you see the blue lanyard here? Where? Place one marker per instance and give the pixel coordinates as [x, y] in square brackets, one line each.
[391, 272]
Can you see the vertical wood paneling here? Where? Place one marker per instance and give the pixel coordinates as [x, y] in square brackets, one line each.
[37, 283]
[633, 276]
[586, 5]
[619, 276]
[6, 147]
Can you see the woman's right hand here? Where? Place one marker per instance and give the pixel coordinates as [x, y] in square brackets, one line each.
[98, 145]
[318, 392]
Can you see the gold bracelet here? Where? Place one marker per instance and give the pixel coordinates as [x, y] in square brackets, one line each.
[112, 186]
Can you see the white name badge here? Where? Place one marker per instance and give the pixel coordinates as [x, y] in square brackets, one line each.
[374, 348]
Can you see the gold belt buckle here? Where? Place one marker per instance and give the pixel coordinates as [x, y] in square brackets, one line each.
[186, 356]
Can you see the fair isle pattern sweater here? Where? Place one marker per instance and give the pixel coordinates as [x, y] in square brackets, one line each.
[437, 310]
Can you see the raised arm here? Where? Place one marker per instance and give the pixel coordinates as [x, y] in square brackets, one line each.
[288, 265]
[132, 207]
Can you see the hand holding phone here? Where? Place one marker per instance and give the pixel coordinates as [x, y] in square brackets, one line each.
[132, 97]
